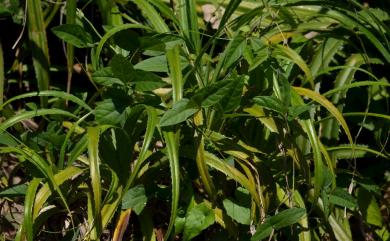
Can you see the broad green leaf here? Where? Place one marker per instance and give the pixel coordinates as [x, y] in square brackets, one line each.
[287, 217]
[105, 77]
[73, 34]
[237, 212]
[135, 199]
[233, 99]
[342, 198]
[226, 92]
[158, 64]
[153, 64]
[147, 81]
[127, 39]
[239, 208]
[270, 103]
[13, 191]
[283, 219]
[110, 111]
[180, 112]
[197, 219]
[122, 68]
[263, 231]
[369, 208]
[231, 54]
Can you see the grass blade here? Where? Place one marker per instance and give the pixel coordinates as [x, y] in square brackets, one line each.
[155, 19]
[29, 202]
[39, 47]
[2, 78]
[189, 23]
[93, 134]
[71, 6]
[53, 93]
[173, 58]
[173, 155]
[30, 114]
[328, 105]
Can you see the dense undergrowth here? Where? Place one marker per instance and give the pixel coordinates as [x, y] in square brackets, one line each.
[194, 120]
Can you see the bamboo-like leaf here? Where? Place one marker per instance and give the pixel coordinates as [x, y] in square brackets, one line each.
[173, 57]
[308, 127]
[30, 114]
[71, 6]
[2, 78]
[345, 77]
[328, 105]
[233, 173]
[29, 202]
[150, 12]
[171, 140]
[296, 58]
[189, 23]
[45, 192]
[54, 93]
[93, 134]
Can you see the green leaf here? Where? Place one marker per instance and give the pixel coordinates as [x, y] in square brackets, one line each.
[227, 91]
[197, 219]
[180, 112]
[6, 139]
[158, 64]
[105, 77]
[263, 231]
[237, 212]
[153, 64]
[342, 198]
[122, 68]
[369, 208]
[127, 39]
[73, 34]
[110, 111]
[17, 190]
[147, 81]
[283, 219]
[135, 199]
[287, 217]
[233, 99]
[270, 102]
[239, 208]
